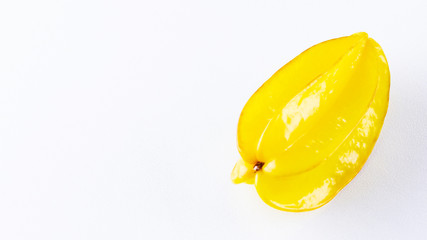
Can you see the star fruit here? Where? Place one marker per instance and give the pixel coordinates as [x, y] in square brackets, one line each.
[309, 129]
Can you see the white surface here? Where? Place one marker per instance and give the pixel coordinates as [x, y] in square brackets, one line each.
[118, 119]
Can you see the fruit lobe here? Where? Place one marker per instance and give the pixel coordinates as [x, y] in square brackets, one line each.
[313, 124]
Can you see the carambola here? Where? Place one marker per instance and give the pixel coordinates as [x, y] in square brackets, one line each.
[309, 129]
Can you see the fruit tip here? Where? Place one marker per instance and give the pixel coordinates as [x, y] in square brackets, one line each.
[362, 35]
[242, 173]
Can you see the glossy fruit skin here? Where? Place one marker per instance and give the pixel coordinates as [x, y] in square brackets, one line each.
[314, 123]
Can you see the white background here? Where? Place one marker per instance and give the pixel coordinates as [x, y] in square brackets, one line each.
[118, 118]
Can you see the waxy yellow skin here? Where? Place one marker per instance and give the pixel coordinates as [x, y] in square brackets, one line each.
[309, 129]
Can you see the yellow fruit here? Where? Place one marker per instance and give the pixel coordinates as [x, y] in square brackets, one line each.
[308, 130]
